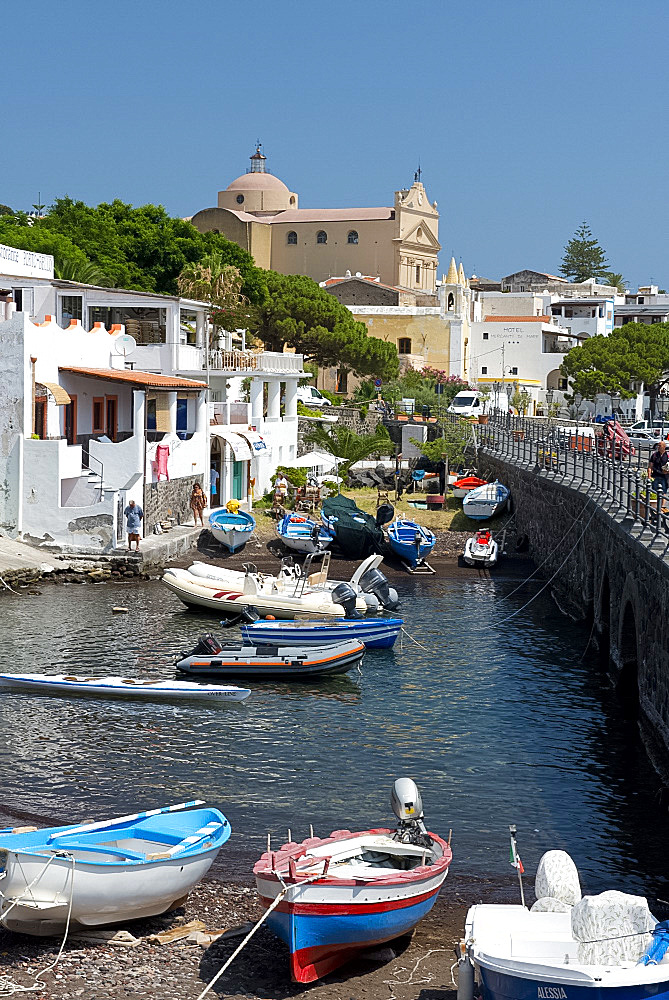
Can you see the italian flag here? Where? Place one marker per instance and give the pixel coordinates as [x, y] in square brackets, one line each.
[514, 857]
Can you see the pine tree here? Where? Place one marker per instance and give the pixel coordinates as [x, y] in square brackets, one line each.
[583, 257]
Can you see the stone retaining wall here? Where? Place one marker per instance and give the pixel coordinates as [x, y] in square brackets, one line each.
[607, 571]
[169, 498]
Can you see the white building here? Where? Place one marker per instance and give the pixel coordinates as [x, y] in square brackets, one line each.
[144, 389]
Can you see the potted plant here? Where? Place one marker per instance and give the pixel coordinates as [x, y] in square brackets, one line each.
[484, 397]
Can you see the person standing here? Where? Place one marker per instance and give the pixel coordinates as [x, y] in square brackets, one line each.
[213, 483]
[658, 467]
[133, 514]
[198, 502]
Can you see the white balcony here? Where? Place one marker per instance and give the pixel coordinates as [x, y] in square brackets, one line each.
[244, 362]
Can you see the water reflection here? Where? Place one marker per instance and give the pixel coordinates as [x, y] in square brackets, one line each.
[497, 725]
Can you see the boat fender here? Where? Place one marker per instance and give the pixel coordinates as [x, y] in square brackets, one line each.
[298, 520]
[465, 973]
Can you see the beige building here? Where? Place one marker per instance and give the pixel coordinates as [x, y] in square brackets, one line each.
[435, 335]
[398, 244]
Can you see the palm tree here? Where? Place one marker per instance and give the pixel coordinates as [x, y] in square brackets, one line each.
[84, 272]
[348, 446]
[210, 280]
[616, 280]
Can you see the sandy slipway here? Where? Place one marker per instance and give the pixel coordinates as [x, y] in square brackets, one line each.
[142, 967]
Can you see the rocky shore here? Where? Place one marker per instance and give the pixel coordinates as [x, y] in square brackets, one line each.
[174, 957]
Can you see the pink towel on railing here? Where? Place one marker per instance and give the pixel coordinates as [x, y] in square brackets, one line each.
[162, 453]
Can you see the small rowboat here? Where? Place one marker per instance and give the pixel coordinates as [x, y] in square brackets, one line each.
[374, 633]
[485, 501]
[410, 541]
[121, 687]
[302, 534]
[332, 897]
[267, 660]
[126, 868]
[461, 487]
[231, 530]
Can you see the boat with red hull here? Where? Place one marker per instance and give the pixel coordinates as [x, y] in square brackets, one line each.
[332, 897]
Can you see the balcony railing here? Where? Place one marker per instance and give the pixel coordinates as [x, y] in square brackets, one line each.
[254, 361]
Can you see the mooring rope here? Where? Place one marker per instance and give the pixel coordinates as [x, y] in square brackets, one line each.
[8, 987]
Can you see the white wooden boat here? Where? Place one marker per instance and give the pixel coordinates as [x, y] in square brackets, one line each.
[231, 530]
[481, 549]
[126, 868]
[302, 534]
[485, 501]
[66, 685]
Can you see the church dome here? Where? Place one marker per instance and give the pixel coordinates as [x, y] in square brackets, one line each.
[257, 182]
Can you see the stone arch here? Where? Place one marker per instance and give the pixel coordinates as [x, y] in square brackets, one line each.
[628, 657]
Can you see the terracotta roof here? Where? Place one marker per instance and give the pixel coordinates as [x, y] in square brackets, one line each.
[517, 319]
[332, 215]
[144, 379]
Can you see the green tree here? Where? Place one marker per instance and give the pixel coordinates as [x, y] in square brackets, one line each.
[15, 233]
[583, 257]
[302, 315]
[616, 280]
[142, 248]
[633, 353]
[348, 446]
[456, 438]
[6, 210]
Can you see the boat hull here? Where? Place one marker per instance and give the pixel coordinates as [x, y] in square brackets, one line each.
[60, 686]
[374, 635]
[480, 555]
[232, 538]
[321, 942]
[288, 664]
[502, 986]
[118, 895]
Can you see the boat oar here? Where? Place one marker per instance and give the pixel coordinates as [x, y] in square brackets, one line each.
[104, 824]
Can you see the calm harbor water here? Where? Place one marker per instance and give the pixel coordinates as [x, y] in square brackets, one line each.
[496, 724]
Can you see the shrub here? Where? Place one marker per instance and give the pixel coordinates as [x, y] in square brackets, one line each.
[297, 477]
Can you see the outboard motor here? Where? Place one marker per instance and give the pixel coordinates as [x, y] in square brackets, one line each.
[375, 582]
[408, 807]
[384, 514]
[345, 595]
[207, 645]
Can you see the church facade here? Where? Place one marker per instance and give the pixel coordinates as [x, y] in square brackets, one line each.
[397, 244]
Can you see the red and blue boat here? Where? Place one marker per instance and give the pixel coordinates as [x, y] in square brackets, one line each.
[330, 898]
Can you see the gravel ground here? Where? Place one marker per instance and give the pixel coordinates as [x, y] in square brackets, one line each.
[416, 968]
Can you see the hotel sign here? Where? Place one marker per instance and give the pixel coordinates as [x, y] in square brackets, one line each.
[25, 263]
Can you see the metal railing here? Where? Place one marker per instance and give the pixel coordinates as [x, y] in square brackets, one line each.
[260, 361]
[584, 461]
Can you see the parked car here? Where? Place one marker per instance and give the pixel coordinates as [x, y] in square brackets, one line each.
[311, 396]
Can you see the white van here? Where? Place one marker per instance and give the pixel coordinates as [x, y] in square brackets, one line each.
[468, 403]
[311, 396]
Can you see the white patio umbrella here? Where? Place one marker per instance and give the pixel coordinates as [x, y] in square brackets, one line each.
[312, 460]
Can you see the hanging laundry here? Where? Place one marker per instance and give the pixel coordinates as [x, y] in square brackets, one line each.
[162, 454]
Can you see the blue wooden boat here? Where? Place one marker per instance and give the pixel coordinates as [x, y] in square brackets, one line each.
[332, 897]
[302, 534]
[485, 501]
[410, 541]
[231, 530]
[374, 633]
[104, 873]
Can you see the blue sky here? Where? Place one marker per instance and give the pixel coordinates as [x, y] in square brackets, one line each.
[527, 116]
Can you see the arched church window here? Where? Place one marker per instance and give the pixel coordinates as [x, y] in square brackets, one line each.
[451, 301]
[321, 236]
[404, 345]
[240, 199]
[291, 238]
[352, 237]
